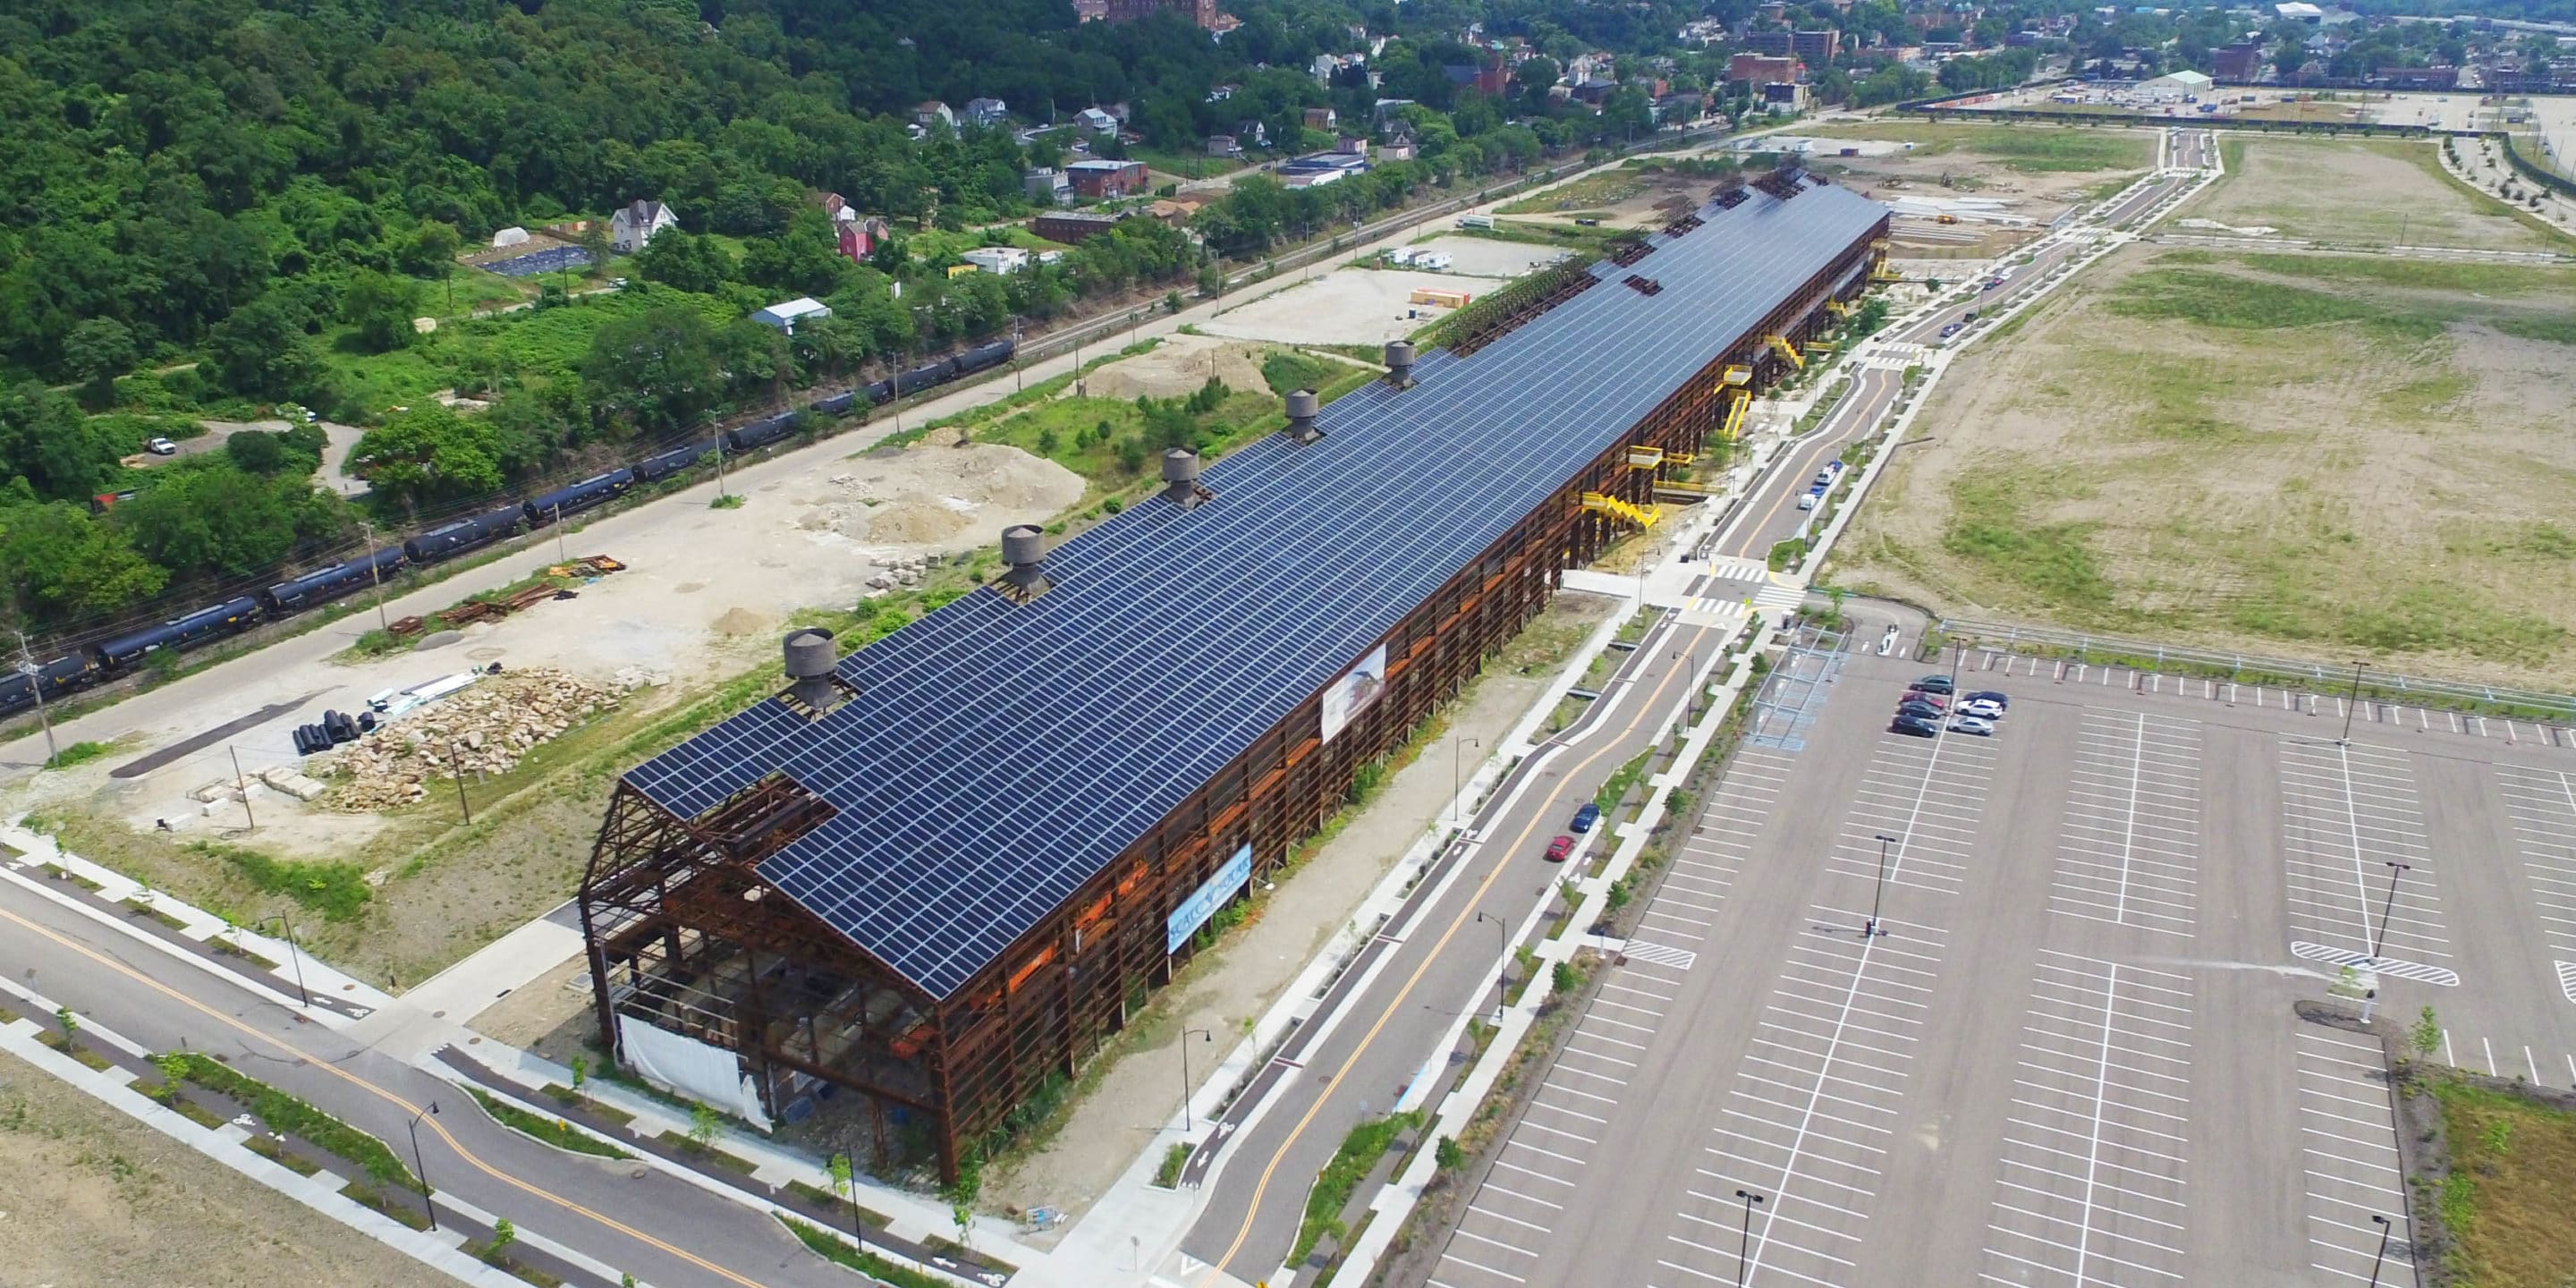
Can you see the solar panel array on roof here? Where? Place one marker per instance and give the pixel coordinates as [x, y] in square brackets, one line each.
[997, 755]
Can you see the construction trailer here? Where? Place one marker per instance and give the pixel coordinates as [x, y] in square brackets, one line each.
[944, 869]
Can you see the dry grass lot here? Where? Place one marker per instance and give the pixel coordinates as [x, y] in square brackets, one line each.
[2506, 1200]
[2356, 192]
[2313, 454]
[98, 1198]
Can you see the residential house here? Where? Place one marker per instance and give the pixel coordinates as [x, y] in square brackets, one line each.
[1322, 118]
[1177, 209]
[1070, 227]
[1096, 121]
[997, 259]
[1106, 180]
[1594, 89]
[1223, 145]
[785, 316]
[1222, 93]
[857, 235]
[1046, 183]
[1352, 145]
[636, 223]
[1252, 133]
[987, 113]
[1399, 149]
[1323, 67]
[934, 113]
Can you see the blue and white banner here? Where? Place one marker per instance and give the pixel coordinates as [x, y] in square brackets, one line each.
[1204, 901]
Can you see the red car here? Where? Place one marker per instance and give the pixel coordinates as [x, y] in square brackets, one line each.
[1559, 848]
[1938, 701]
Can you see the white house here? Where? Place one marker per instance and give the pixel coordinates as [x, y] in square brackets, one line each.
[986, 112]
[997, 259]
[933, 112]
[636, 223]
[785, 316]
[1096, 121]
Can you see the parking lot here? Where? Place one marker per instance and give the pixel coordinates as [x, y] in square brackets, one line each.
[2072, 1059]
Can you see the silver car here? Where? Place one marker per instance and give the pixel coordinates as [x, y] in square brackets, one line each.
[1971, 724]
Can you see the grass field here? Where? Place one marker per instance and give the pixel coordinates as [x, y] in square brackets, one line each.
[2297, 453]
[1591, 192]
[2377, 192]
[2033, 149]
[2508, 1197]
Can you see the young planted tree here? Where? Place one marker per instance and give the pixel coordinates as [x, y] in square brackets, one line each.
[2426, 1037]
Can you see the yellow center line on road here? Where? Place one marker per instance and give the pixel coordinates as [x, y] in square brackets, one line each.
[1397, 1002]
[1783, 499]
[389, 1096]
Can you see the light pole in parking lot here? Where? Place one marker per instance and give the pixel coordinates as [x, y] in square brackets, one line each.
[1744, 1248]
[1202, 1035]
[1457, 772]
[1502, 974]
[2348, 704]
[2384, 1230]
[1884, 841]
[2395, 870]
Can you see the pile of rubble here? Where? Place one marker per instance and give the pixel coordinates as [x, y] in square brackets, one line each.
[482, 730]
[900, 571]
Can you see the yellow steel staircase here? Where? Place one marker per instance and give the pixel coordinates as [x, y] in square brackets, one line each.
[1608, 504]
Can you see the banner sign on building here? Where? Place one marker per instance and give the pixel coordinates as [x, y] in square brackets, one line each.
[1357, 691]
[1204, 901]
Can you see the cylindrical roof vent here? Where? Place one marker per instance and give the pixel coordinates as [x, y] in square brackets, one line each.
[1399, 363]
[1303, 408]
[1181, 478]
[1024, 552]
[1023, 545]
[811, 659]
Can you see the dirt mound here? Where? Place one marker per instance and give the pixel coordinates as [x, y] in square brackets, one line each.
[484, 729]
[740, 621]
[1178, 366]
[938, 496]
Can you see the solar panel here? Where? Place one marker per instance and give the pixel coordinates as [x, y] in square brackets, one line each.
[997, 755]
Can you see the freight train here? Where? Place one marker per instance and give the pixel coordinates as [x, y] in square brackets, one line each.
[117, 655]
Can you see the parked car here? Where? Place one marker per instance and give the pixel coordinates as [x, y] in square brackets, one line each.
[161, 447]
[1585, 817]
[1936, 683]
[1953, 329]
[1807, 500]
[1981, 710]
[1990, 695]
[1559, 848]
[1971, 724]
[1918, 711]
[1933, 700]
[1824, 478]
[1991, 283]
[1913, 728]
[1969, 316]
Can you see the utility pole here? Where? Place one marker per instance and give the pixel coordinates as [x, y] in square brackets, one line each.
[456, 761]
[375, 577]
[242, 785]
[720, 486]
[36, 685]
[562, 554]
[292, 954]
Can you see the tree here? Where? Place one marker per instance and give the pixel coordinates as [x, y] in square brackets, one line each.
[61, 565]
[217, 520]
[1448, 1154]
[2426, 1037]
[655, 372]
[503, 1235]
[580, 1070]
[45, 440]
[69, 1022]
[260, 350]
[685, 261]
[430, 454]
[703, 1125]
[96, 352]
[805, 259]
[381, 306]
[256, 453]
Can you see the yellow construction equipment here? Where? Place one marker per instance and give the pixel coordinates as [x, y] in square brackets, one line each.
[1735, 416]
[1609, 504]
[1786, 350]
[1645, 458]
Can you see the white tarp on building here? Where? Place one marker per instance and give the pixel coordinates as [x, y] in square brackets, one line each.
[691, 1068]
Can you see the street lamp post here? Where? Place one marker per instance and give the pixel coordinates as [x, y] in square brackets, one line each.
[1744, 1248]
[1204, 1036]
[420, 1167]
[1458, 771]
[2348, 704]
[2387, 906]
[1879, 892]
[292, 954]
[1503, 976]
[2385, 1228]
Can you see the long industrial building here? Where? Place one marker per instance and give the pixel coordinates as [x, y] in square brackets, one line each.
[942, 869]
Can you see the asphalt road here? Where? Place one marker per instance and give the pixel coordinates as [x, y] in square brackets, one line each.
[642, 1221]
[1432, 961]
[2071, 1057]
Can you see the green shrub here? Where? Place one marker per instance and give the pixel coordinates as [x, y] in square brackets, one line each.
[338, 891]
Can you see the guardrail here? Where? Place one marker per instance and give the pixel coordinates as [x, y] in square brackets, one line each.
[2250, 668]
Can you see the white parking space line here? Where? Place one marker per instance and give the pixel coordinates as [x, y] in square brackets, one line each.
[1810, 1115]
[1928, 794]
[2348, 1147]
[2348, 813]
[2091, 1185]
[2130, 850]
[2541, 805]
